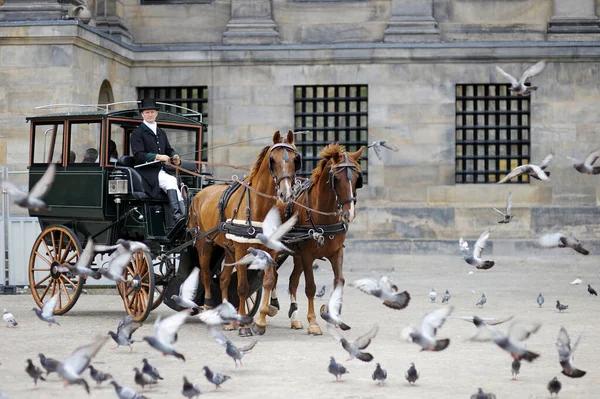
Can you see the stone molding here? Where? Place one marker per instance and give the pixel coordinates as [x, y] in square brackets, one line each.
[251, 23]
[412, 21]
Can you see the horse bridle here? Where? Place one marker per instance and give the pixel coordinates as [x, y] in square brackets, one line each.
[286, 158]
[349, 167]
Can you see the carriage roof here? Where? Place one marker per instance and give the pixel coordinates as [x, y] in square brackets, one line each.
[133, 114]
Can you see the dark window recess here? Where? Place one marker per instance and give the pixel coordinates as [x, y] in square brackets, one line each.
[493, 133]
[195, 98]
[331, 113]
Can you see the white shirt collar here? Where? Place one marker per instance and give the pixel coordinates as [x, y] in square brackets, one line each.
[152, 126]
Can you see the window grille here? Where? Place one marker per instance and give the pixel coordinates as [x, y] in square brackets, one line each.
[330, 113]
[492, 133]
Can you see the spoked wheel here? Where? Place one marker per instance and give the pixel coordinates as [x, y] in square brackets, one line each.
[253, 302]
[55, 246]
[138, 291]
[163, 271]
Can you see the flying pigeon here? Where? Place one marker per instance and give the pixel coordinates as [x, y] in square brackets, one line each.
[143, 379]
[321, 292]
[189, 390]
[235, 352]
[487, 320]
[540, 299]
[34, 372]
[165, 334]
[215, 378]
[446, 297]
[82, 267]
[125, 330]
[512, 342]
[474, 258]
[587, 166]
[385, 290]
[577, 281]
[225, 313]
[99, 376]
[411, 375]
[379, 375]
[592, 291]
[561, 307]
[150, 370]
[354, 347]
[432, 295]
[515, 368]
[33, 199]
[9, 319]
[273, 230]
[554, 387]
[565, 354]
[425, 335]
[121, 255]
[481, 301]
[506, 217]
[559, 240]
[256, 258]
[72, 367]
[535, 171]
[51, 365]
[336, 369]
[379, 144]
[482, 395]
[520, 87]
[188, 290]
[332, 312]
[126, 392]
[47, 312]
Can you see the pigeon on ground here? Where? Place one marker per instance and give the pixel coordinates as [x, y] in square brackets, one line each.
[473, 258]
[235, 352]
[518, 332]
[82, 267]
[515, 368]
[446, 297]
[379, 375]
[560, 306]
[151, 370]
[482, 395]
[188, 290]
[321, 292]
[9, 319]
[520, 87]
[33, 199]
[332, 312]
[559, 240]
[51, 365]
[225, 313]
[592, 291]
[379, 144]
[34, 372]
[126, 392]
[273, 230]
[256, 258]
[587, 166]
[535, 171]
[121, 255]
[411, 375]
[47, 312]
[540, 300]
[125, 330]
[385, 290]
[336, 369]
[565, 354]
[425, 335]
[432, 295]
[554, 387]
[190, 390]
[481, 301]
[215, 378]
[165, 334]
[354, 347]
[72, 367]
[99, 376]
[143, 379]
[506, 217]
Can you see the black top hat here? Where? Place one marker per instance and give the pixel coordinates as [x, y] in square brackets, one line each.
[148, 103]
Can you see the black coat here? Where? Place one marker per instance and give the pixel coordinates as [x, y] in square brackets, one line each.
[144, 147]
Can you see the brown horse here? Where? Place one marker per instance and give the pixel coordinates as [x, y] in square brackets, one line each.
[272, 175]
[333, 192]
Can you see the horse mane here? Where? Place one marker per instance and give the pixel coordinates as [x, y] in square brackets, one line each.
[256, 166]
[326, 153]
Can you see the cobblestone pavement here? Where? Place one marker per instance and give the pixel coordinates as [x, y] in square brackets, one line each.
[289, 363]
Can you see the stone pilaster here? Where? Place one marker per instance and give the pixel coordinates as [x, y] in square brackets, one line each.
[109, 17]
[30, 10]
[251, 23]
[412, 21]
[574, 20]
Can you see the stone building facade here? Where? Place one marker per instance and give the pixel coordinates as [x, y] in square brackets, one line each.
[411, 55]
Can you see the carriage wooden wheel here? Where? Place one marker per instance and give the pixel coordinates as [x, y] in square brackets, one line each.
[138, 291]
[253, 302]
[56, 245]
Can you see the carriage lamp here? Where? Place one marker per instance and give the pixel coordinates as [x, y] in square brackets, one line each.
[118, 186]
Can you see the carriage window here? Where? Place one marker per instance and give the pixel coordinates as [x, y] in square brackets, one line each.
[85, 141]
[48, 143]
[116, 141]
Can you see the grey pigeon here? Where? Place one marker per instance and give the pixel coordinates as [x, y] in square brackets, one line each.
[51, 365]
[512, 343]
[482, 300]
[143, 379]
[126, 392]
[336, 369]
[125, 330]
[411, 375]
[482, 395]
[446, 297]
[121, 255]
[165, 334]
[321, 292]
[82, 267]
[354, 347]
[473, 258]
[188, 290]
[273, 230]
[535, 171]
[256, 258]
[72, 367]
[587, 166]
[215, 378]
[592, 291]
[520, 87]
[235, 352]
[425, 335]
[560, 240]
[554, 387]
[33, 199]
[540, 300]
[506, 217]
[379, 144]
[432, 295]
[565, 354]
[47, 312]
[150, 370]
[475, 320]
[225, 313]
[98, 375]
[385, 290]
[34, 372]
[379, 375]
[561, 307]
[515, 368]
[189, 390]
[9, 319]
[332, 312]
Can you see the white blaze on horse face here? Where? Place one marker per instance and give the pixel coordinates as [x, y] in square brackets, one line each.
[285, 192]
[352, 211]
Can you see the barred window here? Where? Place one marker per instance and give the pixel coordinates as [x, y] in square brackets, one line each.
[195, 98]
[492, 132]
[330, 113]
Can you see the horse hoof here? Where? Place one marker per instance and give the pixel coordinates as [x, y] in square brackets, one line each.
[245, 332]
[314, 330]
[229, 327]
[273, 311]
[258, 330]
[297, 325]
